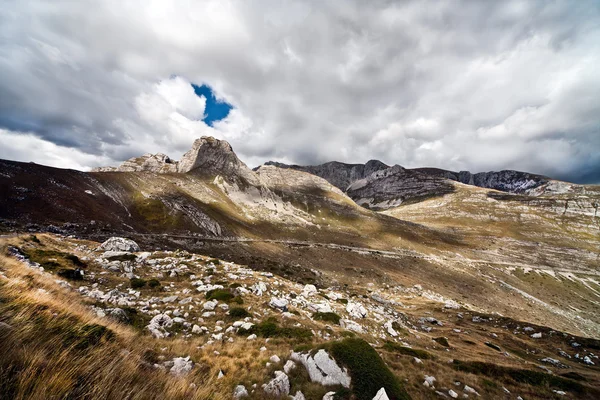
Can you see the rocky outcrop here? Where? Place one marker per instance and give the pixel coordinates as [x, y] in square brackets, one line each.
[396, 185]
[339, 174]
[207, 156]
[506, 181]
[323, 369]
[119, 244]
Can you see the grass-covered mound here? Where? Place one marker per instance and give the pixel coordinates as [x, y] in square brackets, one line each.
[367, 370]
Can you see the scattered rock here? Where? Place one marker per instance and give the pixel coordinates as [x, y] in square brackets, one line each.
[356, 310]
[158, 325]
[278, 386]
[239, 392]
[279, 303]
[181, 366]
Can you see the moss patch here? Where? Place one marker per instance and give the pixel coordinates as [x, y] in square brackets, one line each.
[367, 370]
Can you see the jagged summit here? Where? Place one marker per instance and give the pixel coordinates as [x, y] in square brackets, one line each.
[208, 155]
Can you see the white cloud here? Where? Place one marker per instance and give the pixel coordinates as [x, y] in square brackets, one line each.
[458, 85]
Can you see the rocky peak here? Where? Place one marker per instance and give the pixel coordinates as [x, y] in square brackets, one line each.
[207, 156]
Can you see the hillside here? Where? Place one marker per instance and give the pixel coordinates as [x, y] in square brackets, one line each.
[408, 248]
[181, 325]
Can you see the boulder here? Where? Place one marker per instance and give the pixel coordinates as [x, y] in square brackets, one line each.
[329, 396]
[181, 366]
[356, 310]
[309, 290]
[351, 325]
[323, 369]
[278, 386]
[298, 396]
[120, 244]
[158, 325]
[279, 303]
[239, 392]
[381, 395]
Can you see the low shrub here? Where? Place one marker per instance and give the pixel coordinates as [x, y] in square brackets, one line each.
[442, 340]
[72, 274]
[153, 283]
[238, 312]
[137, 283]
[327, 317]
[75, 260]
[367, 370]
[219, 294]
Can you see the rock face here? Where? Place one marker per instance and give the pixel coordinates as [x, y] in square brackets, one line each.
[394, 186]
[207, 156]
[338, 174]
[159, 162]
[506, 181]
[212, 155]
[119, 244]
[323, 369]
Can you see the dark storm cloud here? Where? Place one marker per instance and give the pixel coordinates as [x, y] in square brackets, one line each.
[458, 85]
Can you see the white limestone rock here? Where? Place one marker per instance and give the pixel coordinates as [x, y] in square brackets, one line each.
[278, 386]
[239, 392]
[356, 310]
[120, 244]
[181, 366]
[322, 368]
[158, 325]
[381, 395]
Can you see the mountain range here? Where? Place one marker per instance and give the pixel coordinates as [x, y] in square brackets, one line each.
[512, 246]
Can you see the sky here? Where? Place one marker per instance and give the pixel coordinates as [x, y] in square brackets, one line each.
[460, 85]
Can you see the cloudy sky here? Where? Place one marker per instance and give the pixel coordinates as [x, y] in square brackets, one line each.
[461, 85]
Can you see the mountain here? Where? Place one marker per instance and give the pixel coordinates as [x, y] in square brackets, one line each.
[379, 186]
[400, 263]
[338, 174]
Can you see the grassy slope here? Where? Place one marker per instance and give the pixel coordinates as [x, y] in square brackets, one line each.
[83, 356]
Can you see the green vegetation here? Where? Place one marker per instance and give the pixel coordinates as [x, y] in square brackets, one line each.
[135, 319]
[52, 260]
[367, 370]
[238, 312]
[442, 340]
[75, 260]
[69, 273]
[122, 257]
[327, 317]
[270, 329]
[219, 294]
[407, 351]
[524, 376]
[137, 283]
[153, 283]
[83, 336]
